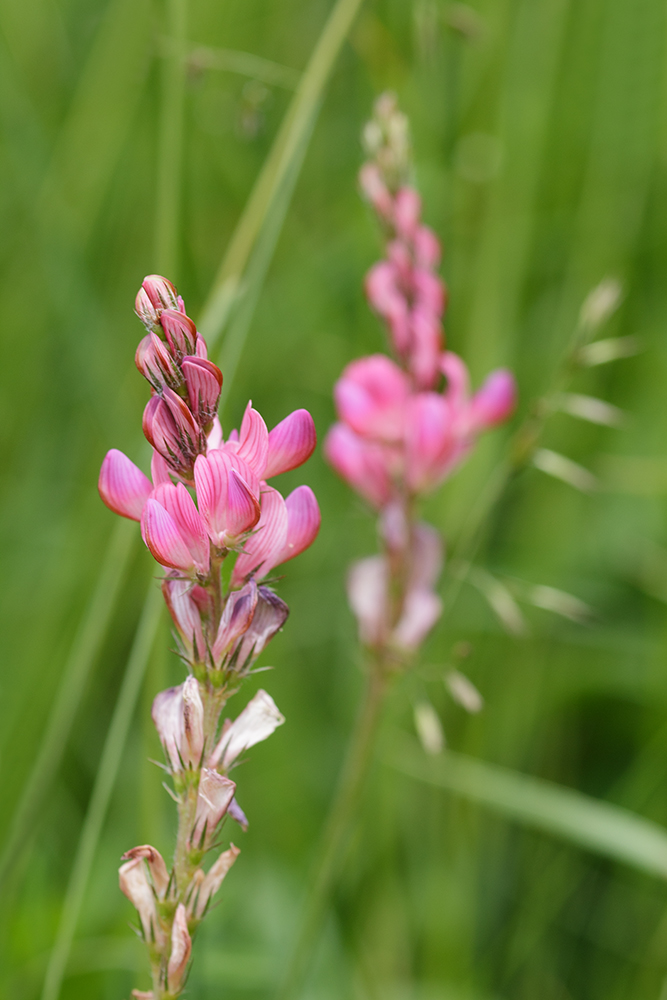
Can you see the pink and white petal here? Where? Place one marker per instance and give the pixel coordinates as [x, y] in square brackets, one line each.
[236, 617]
[192, 708]
[167, 715]
[214, 796]
[303, 522]
[160, 533]
[256, 722]
[291, 443]
[134, 884]
[185, 614]
[214, 439]
[181, 948]
[214, 878]
[254, 441]
[262, 550]
[156, 866]
[123, 487]
[270, 615]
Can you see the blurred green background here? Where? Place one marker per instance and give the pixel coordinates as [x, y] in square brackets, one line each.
[540, 135]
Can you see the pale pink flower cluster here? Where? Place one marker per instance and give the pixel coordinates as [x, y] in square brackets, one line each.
[406, 423]
[208, 499]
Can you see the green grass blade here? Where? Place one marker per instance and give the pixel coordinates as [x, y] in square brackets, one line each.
[598, 826]
[286, 148]
[104, 783]
[84, 652]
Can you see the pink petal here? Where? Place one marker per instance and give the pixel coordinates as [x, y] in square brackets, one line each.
[269, 616]
[177, 501]
[495, 401]
[367, 592]
[426, 349]
[263, 548]
[407, 210]
[214, 878]
[211, 475]
[214, 796]
[371, 396]
[181, 947]
[123, 487]
[236, 618]
[254, 441]
[156, 866]
[427, 248]
[214, 439]
[458, 380]
[185, 615]
[203, 380]
[180, 331]
[429, 440]
[256, 722]
[375, 190]
[303, 522]
[429, 291]
[168, 720]
[134, 884]
[421, 610]
[389, 301]
[360, 463]
[159, 469]
[161, 535]
[291, 443]
[243, 510]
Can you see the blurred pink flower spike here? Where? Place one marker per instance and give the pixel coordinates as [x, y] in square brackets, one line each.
[371, 396]
[375, 190]
[213, 799]
[133, 881]
[407, 211]
[236, 619]
[227, 503]
[211, 882]
[203, 380]
[495, 401]
[178, 715]
[362, 464]
[291, 443]
[256, 722]
[156, 866]
[185, 616]
[155, 295]
[123, 487]
[431, 444]
[181, 947]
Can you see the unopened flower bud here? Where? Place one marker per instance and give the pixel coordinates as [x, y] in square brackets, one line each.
[156, 364]
[203, 380]
[180, 331]
[155, 295]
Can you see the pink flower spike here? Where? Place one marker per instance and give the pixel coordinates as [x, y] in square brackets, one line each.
[203, 380]
[181, 947]
[123, 487]
[263, 549]
[256, 722]
[495, 401]
[160, 533]
[371, 396]
[236, 618]
[214, 797]
[254, 441]
[407, 210]
[360, 463]
[291, 443]
[303, 522]
[179, 504]
[185, 615]
[180, 331]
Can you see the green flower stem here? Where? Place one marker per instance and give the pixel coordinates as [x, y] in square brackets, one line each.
[337, 831]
